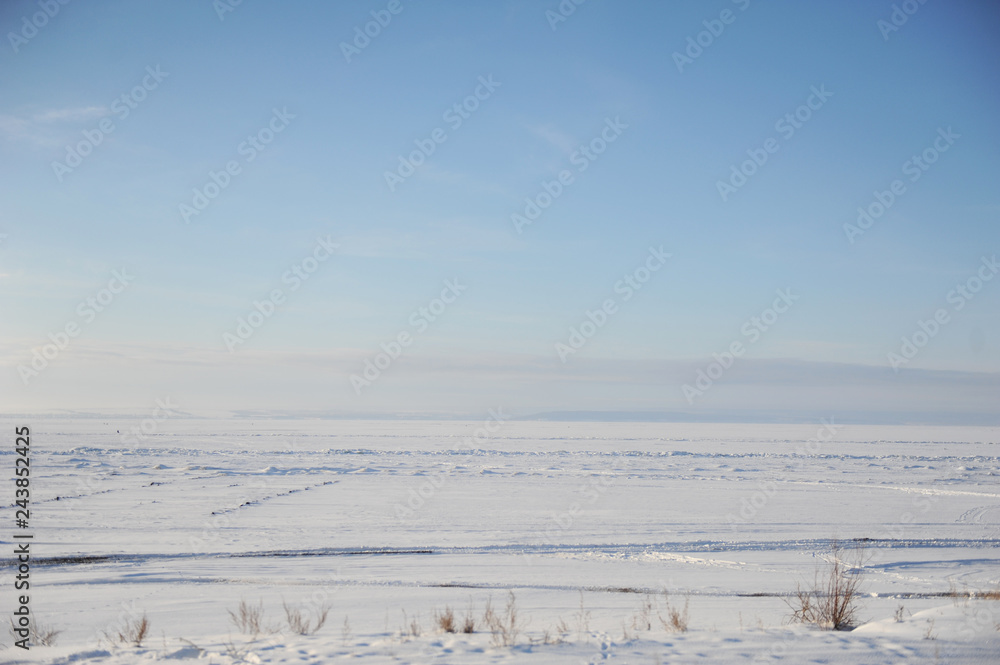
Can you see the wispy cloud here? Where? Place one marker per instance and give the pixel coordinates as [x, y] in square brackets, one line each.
[78, 114]
[49, 128]
[555, 137]
[468, 182]
[13, 127]
[443, 239]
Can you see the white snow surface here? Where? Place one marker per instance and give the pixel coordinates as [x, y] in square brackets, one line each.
[389, 522]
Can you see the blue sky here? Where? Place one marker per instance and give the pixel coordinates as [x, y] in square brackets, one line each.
[344, 124]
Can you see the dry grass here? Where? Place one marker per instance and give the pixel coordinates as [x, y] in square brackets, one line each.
[547, 637]
[302, 624]
[411, 627]
[469, 623]
[643, 618]
[505, 626]
[345, 631]
[953, 592]
[582, 619]
[490, 618]
[677, 619]
[446, 620]
[133, 631]
[249, 619]
[832, 602]
[236, 652]
[42, 635]
[929, 633]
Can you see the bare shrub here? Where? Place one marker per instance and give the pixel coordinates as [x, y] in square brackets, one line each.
[676, 620]
[249, 619]
[929, 633]
[626, 636]
[411, 627]
[42, 635]
[955, 594]
[642, 618]
[345, 631]
[237, 652]
[302, 624]
[832, 602]
[133, 631]
[582, 619]
[446, 620]
[546, 638]
[489, 616]
[506, 626]
[39, 635]
[469, 623]
[190, 644]
[992, 594]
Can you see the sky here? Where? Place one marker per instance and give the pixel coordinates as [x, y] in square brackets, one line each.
[641, 210]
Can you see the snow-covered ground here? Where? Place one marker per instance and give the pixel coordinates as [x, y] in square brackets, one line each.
[389, 522]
